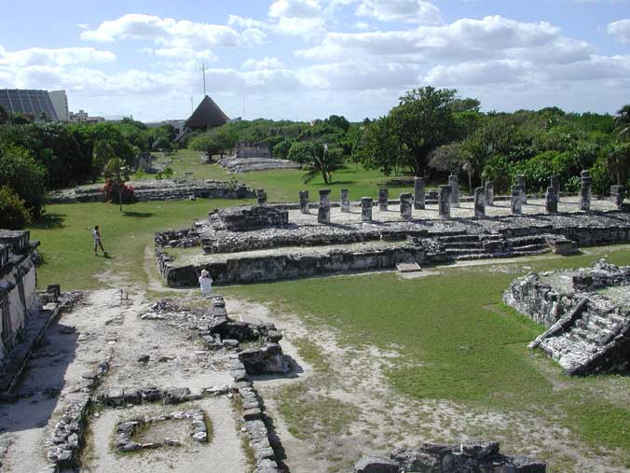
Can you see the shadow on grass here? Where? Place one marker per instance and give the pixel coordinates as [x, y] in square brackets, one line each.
[131, 213]
[52, 220]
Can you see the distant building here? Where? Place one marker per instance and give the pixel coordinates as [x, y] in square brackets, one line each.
[34, 103]
[206, 115]
[83, 117]
[60, 103]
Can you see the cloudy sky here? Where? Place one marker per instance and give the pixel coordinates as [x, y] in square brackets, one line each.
[302, 59]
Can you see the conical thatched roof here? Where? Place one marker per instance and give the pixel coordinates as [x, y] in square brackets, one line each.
[207, 115]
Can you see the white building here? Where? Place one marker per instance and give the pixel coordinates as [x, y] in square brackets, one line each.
[60, 103]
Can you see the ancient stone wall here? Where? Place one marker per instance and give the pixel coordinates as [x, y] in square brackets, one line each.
[588, 329]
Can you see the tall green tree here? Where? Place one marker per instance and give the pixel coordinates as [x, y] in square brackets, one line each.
[27, 178]
[117, 173]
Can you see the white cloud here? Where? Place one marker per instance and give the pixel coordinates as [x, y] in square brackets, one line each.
[263, 64]
[477, 73]
[51, 57]
[621, 30]
[411, 11]
[295, 9]
[167, 32]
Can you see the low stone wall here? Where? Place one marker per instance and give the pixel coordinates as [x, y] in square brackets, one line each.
[292, 265]
[158, 190]
[461, 458]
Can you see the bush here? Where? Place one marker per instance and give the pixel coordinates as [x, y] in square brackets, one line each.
[13, 212]
[113, 192]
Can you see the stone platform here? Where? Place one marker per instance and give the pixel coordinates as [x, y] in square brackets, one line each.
[268, 249]
[586, 311]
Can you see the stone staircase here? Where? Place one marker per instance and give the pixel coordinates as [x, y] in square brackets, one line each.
[592, 337]
[472, 247]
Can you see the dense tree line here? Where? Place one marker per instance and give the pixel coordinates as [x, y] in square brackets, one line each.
[39, 156]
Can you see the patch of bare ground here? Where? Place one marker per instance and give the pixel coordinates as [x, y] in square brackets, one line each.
[342, 406]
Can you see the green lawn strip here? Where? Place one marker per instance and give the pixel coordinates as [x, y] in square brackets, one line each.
[67, 245]
[458, 342]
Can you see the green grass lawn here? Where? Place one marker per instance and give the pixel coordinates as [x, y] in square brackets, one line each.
[284, 185]
[459, 342]
[67, 246]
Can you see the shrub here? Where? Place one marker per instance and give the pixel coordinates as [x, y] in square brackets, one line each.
[13, 212]
[26, 177]
[114, 192]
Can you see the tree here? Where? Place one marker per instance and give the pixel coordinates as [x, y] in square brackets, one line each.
[622, 120]
[619, 161]
[102, 154]
[20, 172]
[318, 158]
[116, 173]
[378, 147]
[4, 116]
[424, 120]
[13, 212]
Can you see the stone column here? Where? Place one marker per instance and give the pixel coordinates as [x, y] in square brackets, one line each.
[489, 193]
[517, 200]
[261, 196]
[480, 202]
[345, 202]
[520, 180]
[323, 213]
[551, 200]
[304, 201]
[418, 193]
[454, 185]
[366, 209]
[444, 201]
[617, 195]
[554, 182]
[405, 206]
[585, 190]
[383, 198]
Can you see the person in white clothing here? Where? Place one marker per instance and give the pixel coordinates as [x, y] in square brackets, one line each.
[205, 283]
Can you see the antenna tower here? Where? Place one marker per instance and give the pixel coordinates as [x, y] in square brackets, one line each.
[203, 69]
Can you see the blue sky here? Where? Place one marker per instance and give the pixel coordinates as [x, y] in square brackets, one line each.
[302, 59]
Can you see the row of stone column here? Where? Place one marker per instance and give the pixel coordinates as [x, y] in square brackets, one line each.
[449, 197]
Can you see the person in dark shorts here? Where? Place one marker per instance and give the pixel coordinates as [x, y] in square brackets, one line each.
[96, 234]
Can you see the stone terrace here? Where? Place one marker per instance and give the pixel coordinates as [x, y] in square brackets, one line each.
[309, 246]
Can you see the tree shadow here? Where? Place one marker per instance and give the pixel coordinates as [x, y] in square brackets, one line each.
[49, 220]
[131, 213]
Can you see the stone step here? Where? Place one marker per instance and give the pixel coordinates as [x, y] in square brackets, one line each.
[530, 247]
[464, 251]
[462, 245]
[458, 238]
[471, 257]
[617, 319]
[596, 320]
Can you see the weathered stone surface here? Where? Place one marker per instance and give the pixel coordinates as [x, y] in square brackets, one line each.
[246, 218]
[304, 202]
[405, 206]
[265, 360]
[585, 190]
[261, 196]
[520, 182]
[480, 202]
[323, 212]
[517, 200]
[444, 202]
[418, 193]
[383, 198]
[373, 464]
[617, 195]
[454, 185]
[345, 201]
[588, 331]
[551, 200]
[366, 209]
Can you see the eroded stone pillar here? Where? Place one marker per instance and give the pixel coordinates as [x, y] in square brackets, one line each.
[551, 200]
[554, 182]
[366, 209]
[345, 201]
[323, 213]
[383, 198]
[454, 185]
[617, 195]
[418, 193]
[517, 201]
[489, 193]
[520, 181]
[444, 201]
[261, 196]
[480, 202]
[585, 190]
[304, 201]
[405, 206]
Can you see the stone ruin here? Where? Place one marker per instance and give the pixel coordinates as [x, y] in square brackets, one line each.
[247, 218]
[250, 157]
[586, 313]
[462, 458]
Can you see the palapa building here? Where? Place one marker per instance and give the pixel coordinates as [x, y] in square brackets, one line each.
[206, 115]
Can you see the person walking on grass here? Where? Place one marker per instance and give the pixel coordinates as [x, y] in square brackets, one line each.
[96, 234]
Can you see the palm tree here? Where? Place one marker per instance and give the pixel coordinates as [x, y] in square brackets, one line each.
[322, 160]
[622, 120]
[117, 173]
